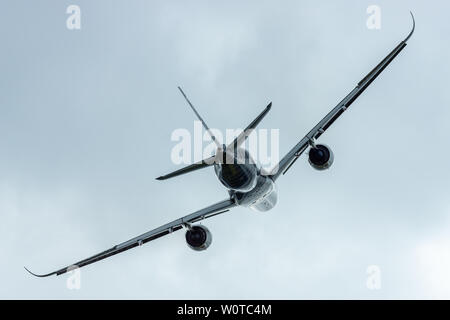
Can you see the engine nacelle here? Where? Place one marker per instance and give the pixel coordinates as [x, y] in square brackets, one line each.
[321, 157]
[198, 238]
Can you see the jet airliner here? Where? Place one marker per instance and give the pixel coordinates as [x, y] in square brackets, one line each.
[248, 185]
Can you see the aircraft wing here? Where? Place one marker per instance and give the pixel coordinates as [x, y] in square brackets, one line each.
[288, 160]
[166, 229]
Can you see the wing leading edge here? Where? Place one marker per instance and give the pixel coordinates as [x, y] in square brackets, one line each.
[288, 160]
[166, 229]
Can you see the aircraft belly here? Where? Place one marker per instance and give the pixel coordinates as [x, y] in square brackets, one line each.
[261, 198]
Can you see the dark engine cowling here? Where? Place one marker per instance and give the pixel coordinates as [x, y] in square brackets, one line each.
[198, 238]
[321, 157]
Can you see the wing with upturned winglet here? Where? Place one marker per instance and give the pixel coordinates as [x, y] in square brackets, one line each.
[288, 160]
[166, 229]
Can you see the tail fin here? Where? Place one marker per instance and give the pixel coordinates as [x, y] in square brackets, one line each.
[233, 146]
[200, 118]
[195, 166]
[244, 134]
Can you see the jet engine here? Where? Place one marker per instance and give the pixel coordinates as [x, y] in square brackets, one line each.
[320, 157]
[198, 238]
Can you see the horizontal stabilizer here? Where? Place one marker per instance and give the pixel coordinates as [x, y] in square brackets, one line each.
[244, 134]
[195, 166]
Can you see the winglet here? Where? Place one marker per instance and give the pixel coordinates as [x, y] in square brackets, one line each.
[412, 31]
[39, 275]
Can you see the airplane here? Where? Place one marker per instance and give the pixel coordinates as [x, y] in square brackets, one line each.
[247, 184]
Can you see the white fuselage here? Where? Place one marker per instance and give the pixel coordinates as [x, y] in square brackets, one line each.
[262, 197]
[246, 184]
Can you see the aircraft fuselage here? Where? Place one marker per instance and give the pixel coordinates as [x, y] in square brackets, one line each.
[246, 183]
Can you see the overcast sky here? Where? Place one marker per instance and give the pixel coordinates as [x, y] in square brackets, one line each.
[86, 118]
